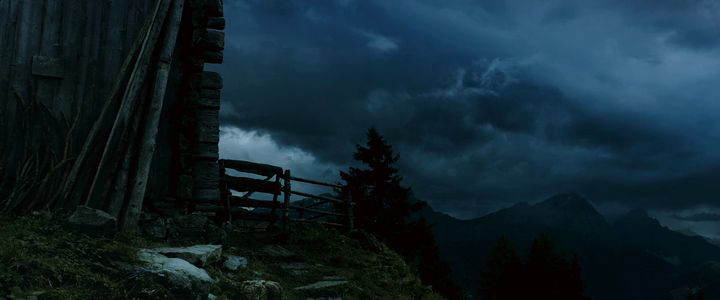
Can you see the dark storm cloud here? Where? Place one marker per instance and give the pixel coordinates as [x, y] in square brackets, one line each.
[490, 102]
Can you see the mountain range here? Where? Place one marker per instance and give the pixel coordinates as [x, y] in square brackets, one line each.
[633, 257]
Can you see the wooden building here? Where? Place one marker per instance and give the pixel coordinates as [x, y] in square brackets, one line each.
[107, 103]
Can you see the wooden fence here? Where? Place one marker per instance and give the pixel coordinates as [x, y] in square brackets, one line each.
[276, 183]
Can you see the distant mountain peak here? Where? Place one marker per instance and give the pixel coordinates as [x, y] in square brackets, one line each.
[568, 202]
[638, 217]
[638, 213]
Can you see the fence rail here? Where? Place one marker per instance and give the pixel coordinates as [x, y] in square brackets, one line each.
[277, 182]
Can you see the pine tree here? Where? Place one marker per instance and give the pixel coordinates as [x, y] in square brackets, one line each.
[544, 275]
[503, 272]
[383, 207]
[382, 202]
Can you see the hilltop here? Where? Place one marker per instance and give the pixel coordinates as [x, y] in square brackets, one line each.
[41, 259]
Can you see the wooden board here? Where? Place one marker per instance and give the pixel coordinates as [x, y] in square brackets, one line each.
[251, 167]
[244, 184]
[206, 175]
[208, 125]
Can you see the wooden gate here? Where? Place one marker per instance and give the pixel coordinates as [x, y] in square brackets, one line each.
[277, 183]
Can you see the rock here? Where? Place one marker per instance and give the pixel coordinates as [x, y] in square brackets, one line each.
[276, 251]
[211, 297]
[334, 278]
[180, 274]
[92, 221]
[261, 290]
[235, 263]
[296, 268]
[199, 255]
[322, 285]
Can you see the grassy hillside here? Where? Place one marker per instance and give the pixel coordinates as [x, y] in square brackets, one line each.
[39, 259]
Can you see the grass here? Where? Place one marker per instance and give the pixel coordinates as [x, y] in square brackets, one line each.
[40, 259]
[326, 253]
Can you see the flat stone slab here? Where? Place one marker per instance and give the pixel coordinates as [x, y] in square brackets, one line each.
[179, 273]
[321, 285]
[199, 255]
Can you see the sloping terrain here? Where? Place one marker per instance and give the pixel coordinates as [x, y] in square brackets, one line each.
[40, 259]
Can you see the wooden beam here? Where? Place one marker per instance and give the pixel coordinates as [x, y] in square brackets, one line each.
[317, 197]
[216, 23]
[316, 182]
[213, 57]
[210, 80]
[210, 93]
[237, 212]
[251, 167]
[117, 141]
[244, 184]
[208, 125]
[214, 40]
[246, 202]
[316, 211]
[214, 8]
[206, 151]
[148, 133]
[318, 222]
[206, 174]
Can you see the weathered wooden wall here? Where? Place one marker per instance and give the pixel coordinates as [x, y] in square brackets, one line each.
[59, 60]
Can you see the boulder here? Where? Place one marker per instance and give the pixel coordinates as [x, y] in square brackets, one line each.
[261, 290]
[199, 255]
[181, 276]
[235, 263]
[92, 221]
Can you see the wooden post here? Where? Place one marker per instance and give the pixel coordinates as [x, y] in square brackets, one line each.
[148, 134]
[349, 216]
[225, 193]
[275, 196]
[287, 191]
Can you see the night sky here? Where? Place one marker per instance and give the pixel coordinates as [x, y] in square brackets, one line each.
[490, 102]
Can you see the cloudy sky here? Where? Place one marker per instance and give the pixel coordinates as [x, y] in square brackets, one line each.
[487, 102]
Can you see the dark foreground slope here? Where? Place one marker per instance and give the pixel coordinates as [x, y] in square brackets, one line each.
[634, 258]
[39, 259]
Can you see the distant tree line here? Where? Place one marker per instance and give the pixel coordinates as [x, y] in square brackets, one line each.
[545, 274]
[385, 209]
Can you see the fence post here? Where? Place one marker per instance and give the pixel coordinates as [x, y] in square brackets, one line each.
[286, 203]
[225, 194]
[350, 217]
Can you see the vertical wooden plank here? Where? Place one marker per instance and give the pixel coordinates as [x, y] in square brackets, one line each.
[49, 47]
[287, 191]
[114, 40]
[7, 118]
[71, 46]
[21, 90]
